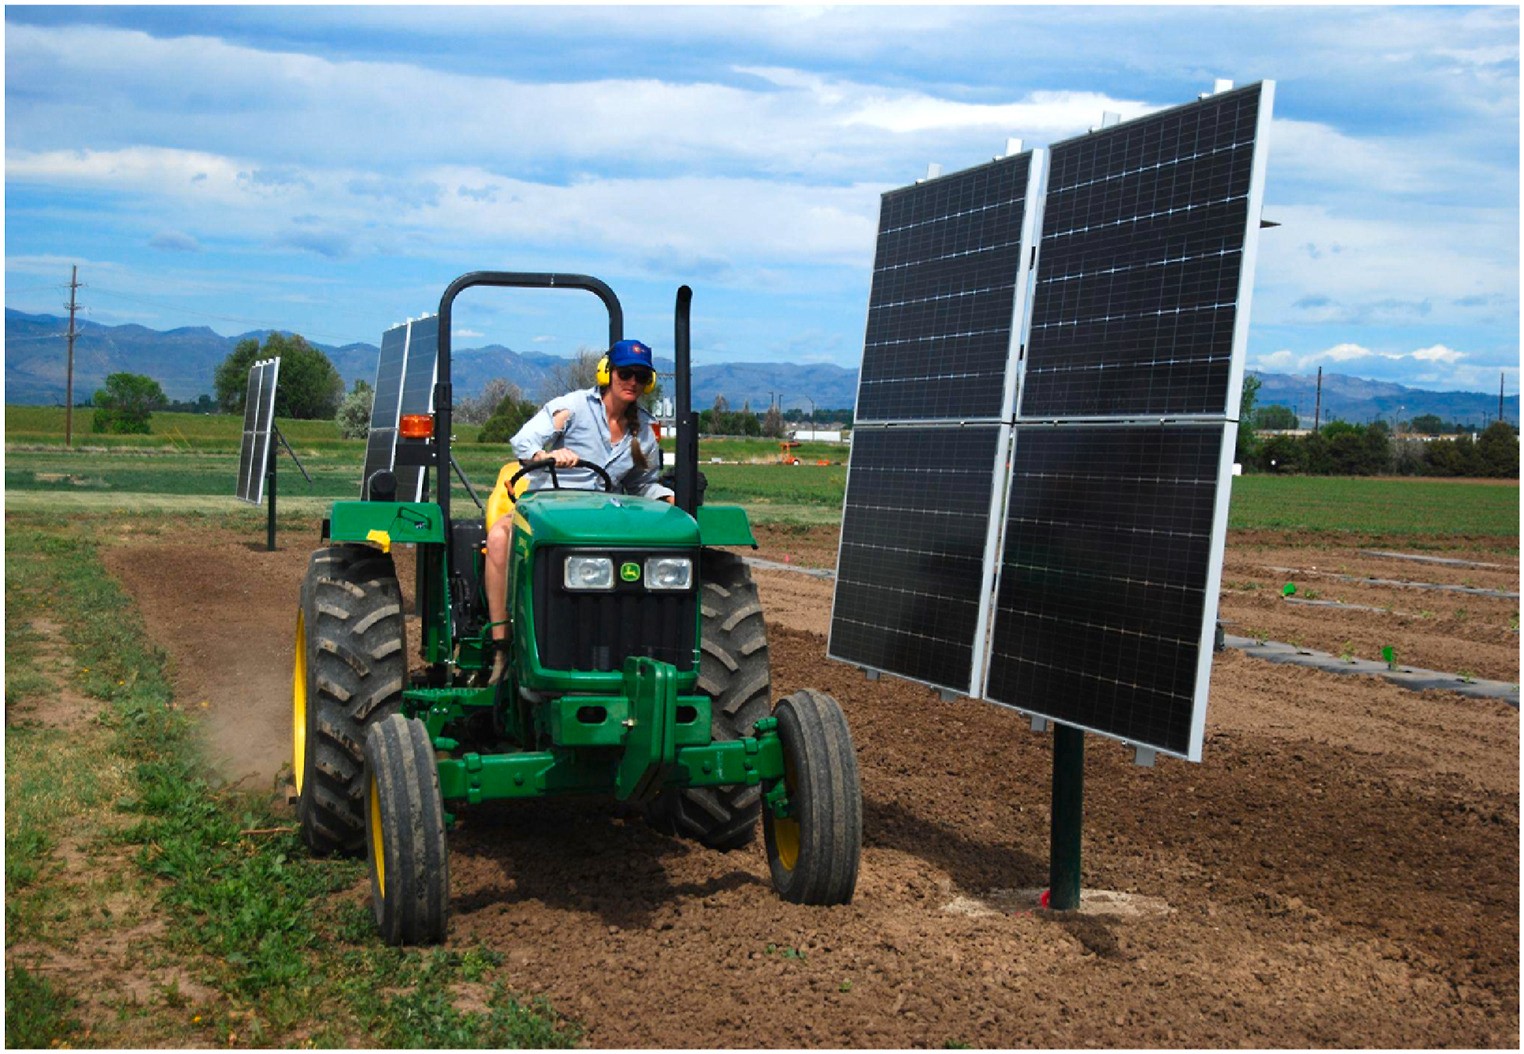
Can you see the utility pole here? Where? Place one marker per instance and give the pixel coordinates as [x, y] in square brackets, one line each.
[69, 370]
[1500, 395]
[1317, 407]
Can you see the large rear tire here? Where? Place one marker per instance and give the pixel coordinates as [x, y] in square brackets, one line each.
[405, 833]
[734, 672]
[350, 669]
[813, 854]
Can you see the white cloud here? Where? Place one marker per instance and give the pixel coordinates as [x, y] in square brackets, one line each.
[1438, 353]
[1348, 354]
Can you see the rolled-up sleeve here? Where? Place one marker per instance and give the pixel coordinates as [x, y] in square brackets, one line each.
[536, 434]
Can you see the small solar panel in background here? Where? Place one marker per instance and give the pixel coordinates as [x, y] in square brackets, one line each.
[405, 373]
[420, 367]
[258, 428]
[385, 406]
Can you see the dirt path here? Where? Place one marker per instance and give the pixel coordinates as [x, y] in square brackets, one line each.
[1342, 869]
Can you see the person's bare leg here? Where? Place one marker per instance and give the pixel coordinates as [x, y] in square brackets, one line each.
[497, 588]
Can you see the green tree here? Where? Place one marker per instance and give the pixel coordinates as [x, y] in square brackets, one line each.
[1452, 457]
[1281, 454]
[1428, 425]
[1275, 418]
[507, 419]
[1248, 443]
[309, 387]
[125, 404]
[479, 410]
[1497, 451]
[353, 417]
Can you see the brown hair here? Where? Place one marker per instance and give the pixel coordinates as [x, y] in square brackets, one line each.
[632, 427]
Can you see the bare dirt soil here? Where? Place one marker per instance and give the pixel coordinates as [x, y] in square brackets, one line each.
[1341, 870]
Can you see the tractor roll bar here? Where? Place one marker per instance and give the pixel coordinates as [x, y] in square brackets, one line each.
[443, 405]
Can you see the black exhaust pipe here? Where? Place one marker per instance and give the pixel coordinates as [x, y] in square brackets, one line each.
[686, 483]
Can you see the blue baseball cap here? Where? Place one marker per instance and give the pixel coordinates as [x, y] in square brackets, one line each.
[630, 353]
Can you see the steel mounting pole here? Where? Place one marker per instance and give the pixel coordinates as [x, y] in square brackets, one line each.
[270, 480]
[1068, 817]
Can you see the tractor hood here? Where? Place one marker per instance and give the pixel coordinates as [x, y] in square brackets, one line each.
[578, 517]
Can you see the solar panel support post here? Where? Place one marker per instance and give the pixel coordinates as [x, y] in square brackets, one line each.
[271, 451]
[1068, 814]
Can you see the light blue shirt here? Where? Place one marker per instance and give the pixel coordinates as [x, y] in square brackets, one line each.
[587, 435]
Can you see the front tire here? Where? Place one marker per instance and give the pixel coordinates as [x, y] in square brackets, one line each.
[350, 669]
[405, 833]
[813, 853]
[736, 675]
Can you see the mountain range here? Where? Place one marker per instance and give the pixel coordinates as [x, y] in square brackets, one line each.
[183, 362]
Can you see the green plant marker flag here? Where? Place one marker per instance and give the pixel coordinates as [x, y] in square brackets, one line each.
[1390, 656]
[1288, 589]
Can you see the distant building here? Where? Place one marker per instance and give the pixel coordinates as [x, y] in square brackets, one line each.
[805, 435]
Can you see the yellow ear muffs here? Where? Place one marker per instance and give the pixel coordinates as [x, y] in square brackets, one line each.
[605, 377]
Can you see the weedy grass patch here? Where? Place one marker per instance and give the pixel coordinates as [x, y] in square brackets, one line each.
[214, 885]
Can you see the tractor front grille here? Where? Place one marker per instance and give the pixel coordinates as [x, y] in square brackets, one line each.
[596, 632]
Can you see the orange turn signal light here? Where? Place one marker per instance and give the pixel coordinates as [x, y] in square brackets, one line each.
[416, 426]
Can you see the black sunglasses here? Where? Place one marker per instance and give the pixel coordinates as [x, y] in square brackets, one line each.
[632, 373]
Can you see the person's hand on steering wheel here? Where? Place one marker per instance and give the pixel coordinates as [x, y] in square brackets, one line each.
[561, 456]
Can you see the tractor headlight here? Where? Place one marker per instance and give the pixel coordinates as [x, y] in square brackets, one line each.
[588, 572]
[669, 572]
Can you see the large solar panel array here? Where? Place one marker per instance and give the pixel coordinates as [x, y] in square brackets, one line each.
[1102, 548]
[949, 280]
[258, 427]
[405, 375]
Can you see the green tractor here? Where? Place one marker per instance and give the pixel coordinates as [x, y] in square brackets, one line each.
[637, 668]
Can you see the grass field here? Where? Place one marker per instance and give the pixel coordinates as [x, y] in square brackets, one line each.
[192, 461]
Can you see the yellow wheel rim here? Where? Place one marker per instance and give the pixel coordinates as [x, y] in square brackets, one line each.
[786, 832]
[377, 845]
[299, 704]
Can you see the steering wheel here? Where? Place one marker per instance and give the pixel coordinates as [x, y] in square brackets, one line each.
[549, 463]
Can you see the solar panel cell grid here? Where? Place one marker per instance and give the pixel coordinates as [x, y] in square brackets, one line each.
[417, 396]
[1140, 265]
[914, 532]
[1101, 609]
[944, 282]
[384, 406]
[246, 447]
